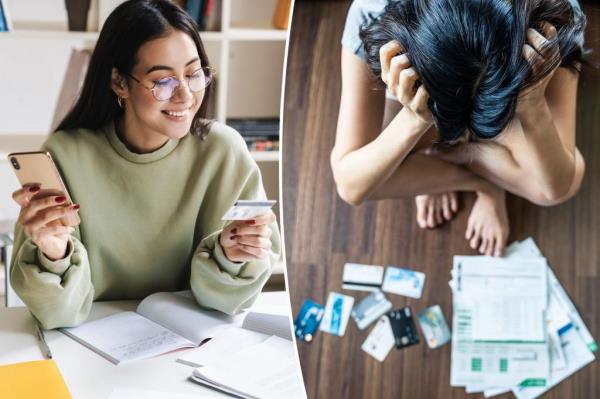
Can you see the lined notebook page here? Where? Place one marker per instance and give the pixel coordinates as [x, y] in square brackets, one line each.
[127, 336]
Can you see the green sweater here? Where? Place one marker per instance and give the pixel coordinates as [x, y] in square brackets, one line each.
[149, 223]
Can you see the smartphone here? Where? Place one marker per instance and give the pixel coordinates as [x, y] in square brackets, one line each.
[39, 167]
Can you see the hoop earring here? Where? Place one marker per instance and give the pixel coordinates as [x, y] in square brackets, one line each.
[120, 101]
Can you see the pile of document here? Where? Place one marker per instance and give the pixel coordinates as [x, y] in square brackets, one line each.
[514, 328]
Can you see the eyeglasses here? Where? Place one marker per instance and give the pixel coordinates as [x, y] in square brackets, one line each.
[165, 88]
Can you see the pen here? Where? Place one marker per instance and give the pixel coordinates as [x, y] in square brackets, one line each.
[43, 343]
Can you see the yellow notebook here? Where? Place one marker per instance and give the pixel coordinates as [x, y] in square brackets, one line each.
[32, 380]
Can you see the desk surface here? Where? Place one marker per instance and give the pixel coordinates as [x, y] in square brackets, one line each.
[87, 374]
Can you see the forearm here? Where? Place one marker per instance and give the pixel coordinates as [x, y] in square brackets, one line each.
[550, 163]
[360, 173]
[428, 174]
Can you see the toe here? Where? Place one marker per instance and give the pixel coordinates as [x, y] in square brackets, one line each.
[470, 231]
[474, 242]
[430, 214]
[500, 245]
[421, 213]
[439, 219]
[446, 207]
[454, 202]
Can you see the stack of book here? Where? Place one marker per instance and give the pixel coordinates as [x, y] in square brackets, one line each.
[206, 13]
[260, 134]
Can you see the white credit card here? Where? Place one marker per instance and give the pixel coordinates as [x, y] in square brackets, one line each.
[380, 341]
[361, 277]
[403, 282]
[337, 313]
[248, 209]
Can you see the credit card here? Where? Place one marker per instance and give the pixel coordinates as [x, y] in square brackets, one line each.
[434, 326]
[337, 313]
[370, 309]
[380, 341]
[308, 319]
[403, 327]
[361, 277]
[403, 282]
[248, 209]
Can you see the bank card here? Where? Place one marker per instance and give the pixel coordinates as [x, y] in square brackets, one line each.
[248, 209]
[403, 282]
[434, 326]
[308, 319]
[380, 340]
[362, 277]
[337, 313]
[403, 327]
[370, 309]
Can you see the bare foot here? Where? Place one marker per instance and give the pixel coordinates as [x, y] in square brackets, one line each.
[487, 229]
[433, 209]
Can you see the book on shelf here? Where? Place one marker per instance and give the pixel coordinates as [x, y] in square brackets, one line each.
[260, 134]
[162, 322]
[206, 13]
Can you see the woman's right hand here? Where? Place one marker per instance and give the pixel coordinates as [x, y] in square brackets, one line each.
[40, 217]
[401, 80]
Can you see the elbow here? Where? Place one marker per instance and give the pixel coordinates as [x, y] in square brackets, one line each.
[349, 195]
[559, 193]
[346, 188]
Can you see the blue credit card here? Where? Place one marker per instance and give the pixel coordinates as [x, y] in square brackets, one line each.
[308, 319]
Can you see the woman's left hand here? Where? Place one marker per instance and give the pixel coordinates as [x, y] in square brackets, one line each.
[245, 240]
[541, 49]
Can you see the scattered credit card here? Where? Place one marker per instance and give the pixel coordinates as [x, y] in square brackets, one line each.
[370, 309]
[308, 320]
[403, 282]
[337, 313]
[434, 326]
[362, 277]
[248, 209]
[380, 341]
[403, 327]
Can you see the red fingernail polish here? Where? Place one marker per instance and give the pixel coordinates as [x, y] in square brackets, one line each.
[60, 199]
[250, 221]
[76, 206]
[234, 231]
[34, 189]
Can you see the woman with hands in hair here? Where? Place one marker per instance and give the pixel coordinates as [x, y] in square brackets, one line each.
[474, 95]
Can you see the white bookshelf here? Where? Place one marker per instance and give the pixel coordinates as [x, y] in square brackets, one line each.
[247, 53]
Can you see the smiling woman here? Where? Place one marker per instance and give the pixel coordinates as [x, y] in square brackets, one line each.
[151, 178]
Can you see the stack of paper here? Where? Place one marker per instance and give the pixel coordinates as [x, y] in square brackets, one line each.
[514, 327]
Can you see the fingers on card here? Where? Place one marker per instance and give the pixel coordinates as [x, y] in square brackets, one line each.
[308, 320]
[337, 313]
[380, 341]
[403, 282]
[248, 209]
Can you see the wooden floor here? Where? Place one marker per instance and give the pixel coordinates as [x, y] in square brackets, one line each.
[322, 232]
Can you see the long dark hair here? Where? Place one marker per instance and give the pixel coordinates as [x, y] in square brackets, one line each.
[126, 29]
[468, 54]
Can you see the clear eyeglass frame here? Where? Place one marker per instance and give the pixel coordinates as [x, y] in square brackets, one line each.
[164, 89]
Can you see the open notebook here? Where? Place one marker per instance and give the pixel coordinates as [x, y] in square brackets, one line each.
[162, 322]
